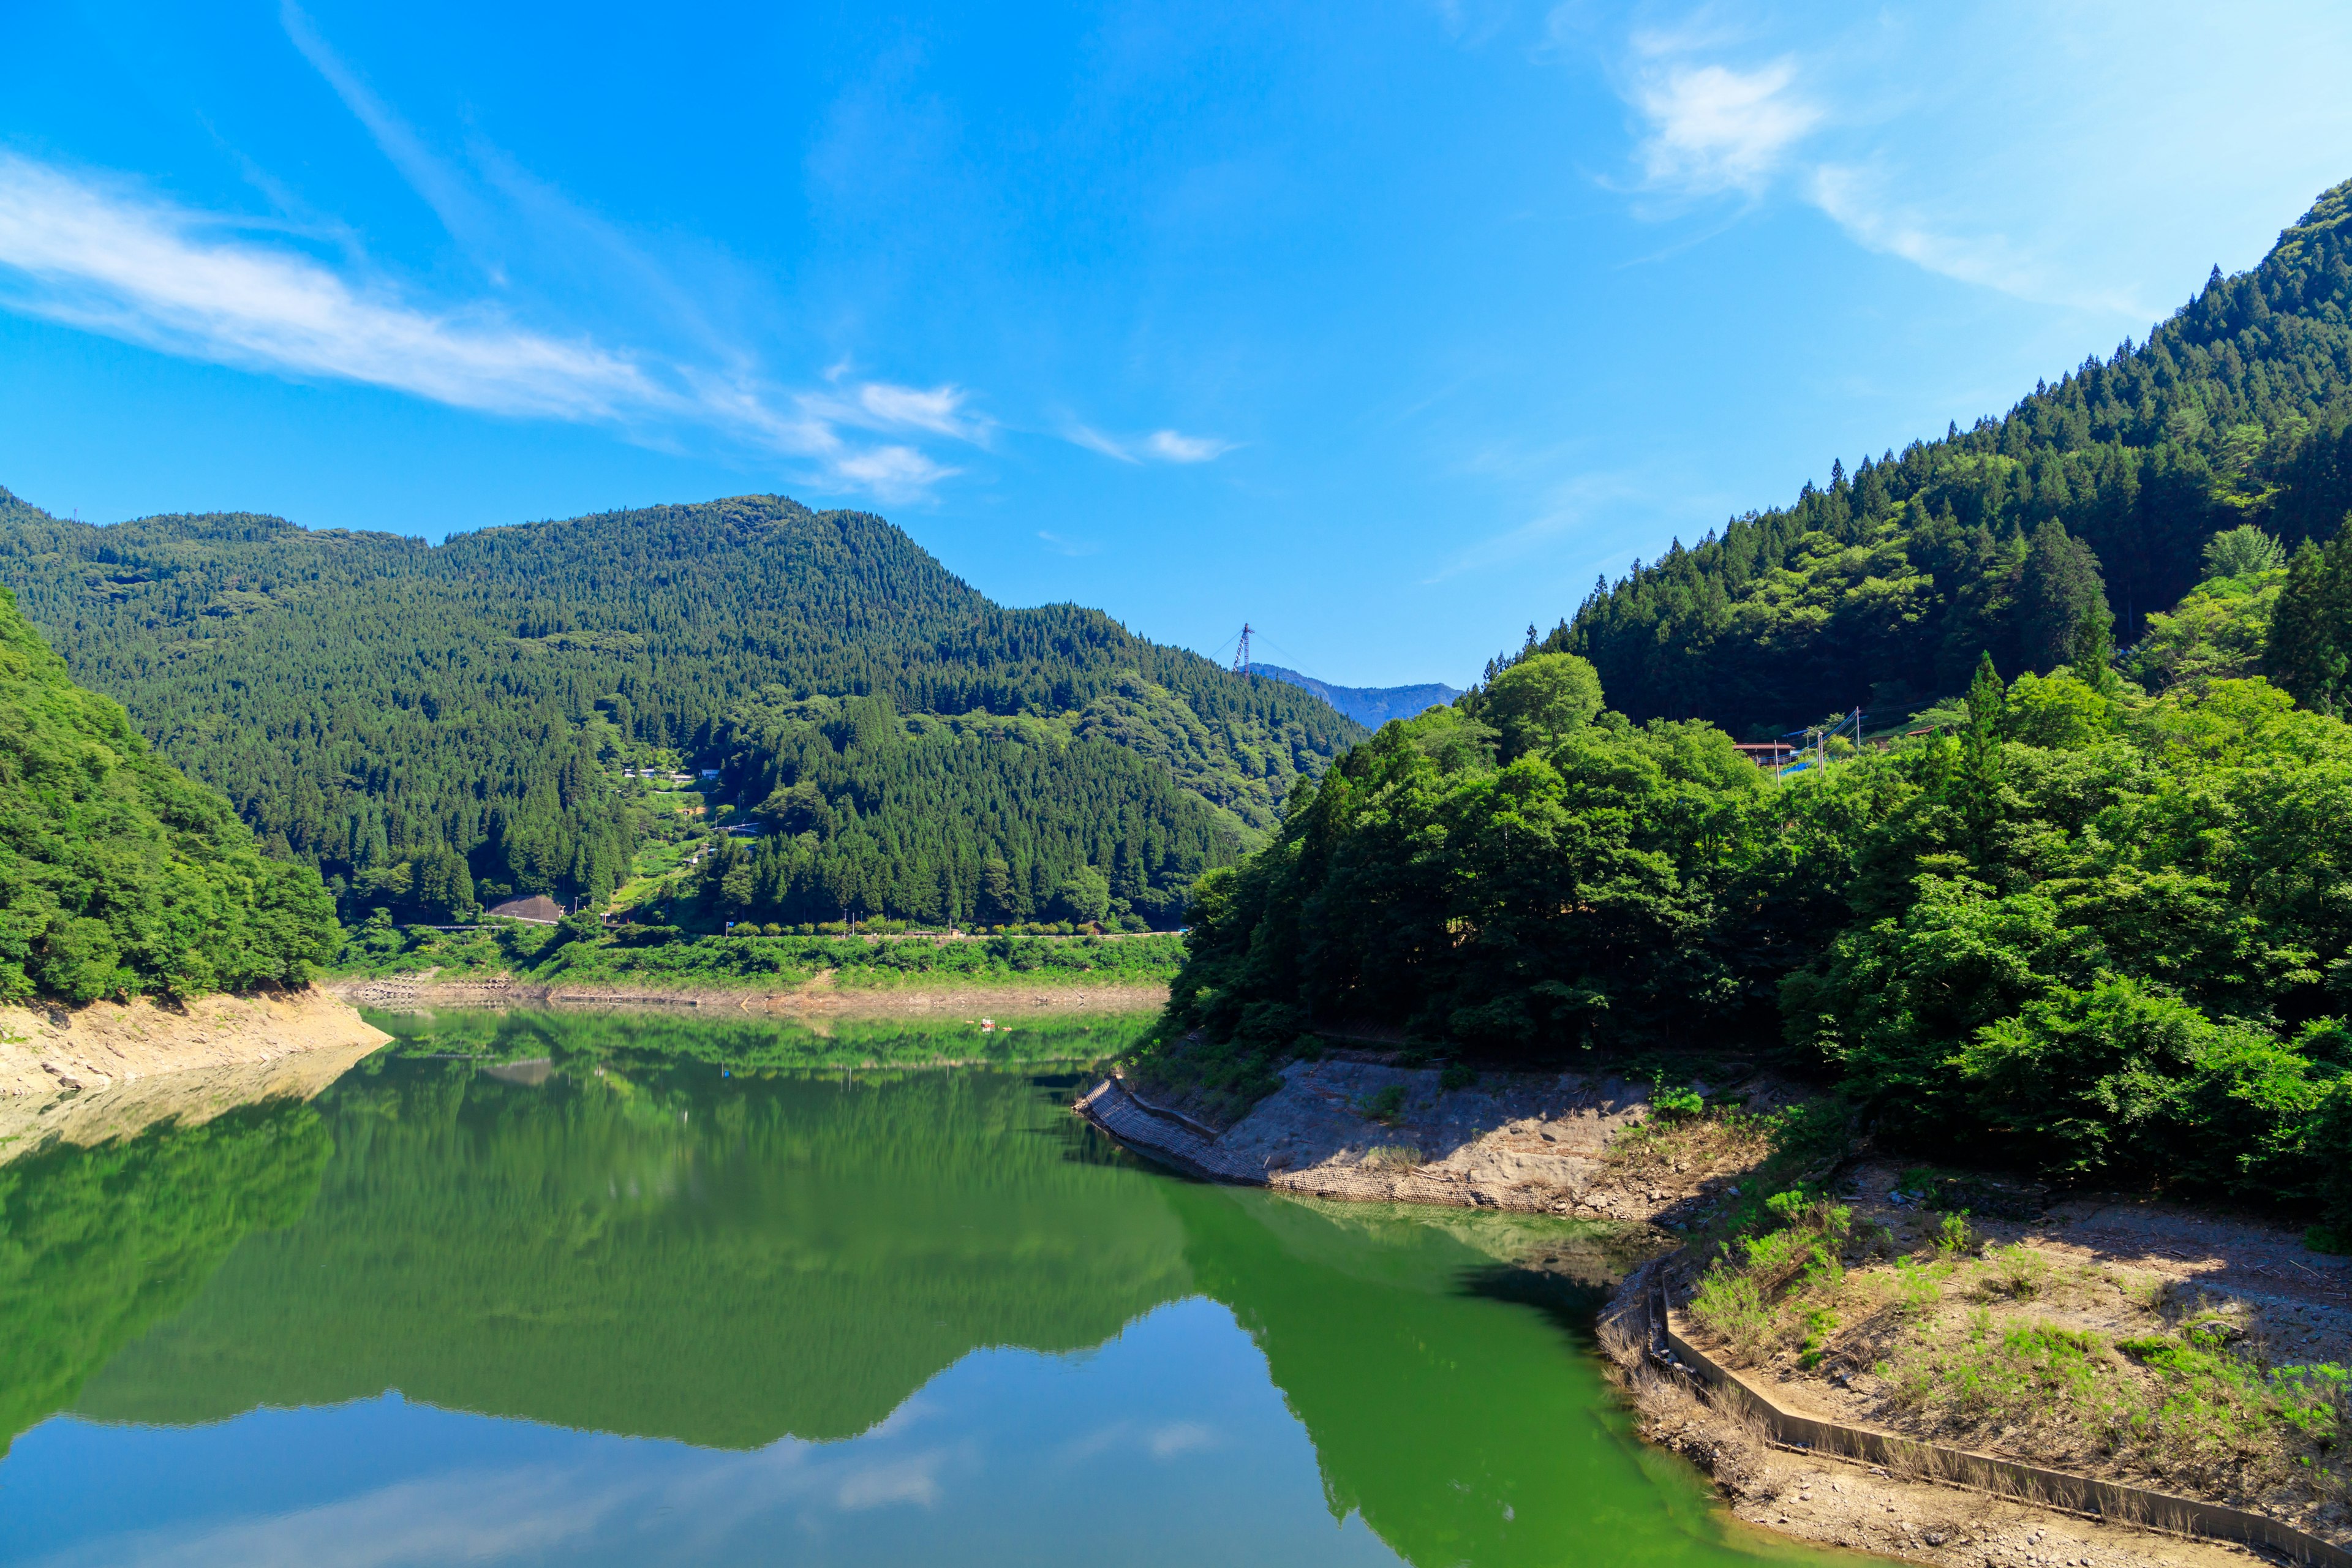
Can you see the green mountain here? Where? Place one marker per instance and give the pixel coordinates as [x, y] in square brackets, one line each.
[431, 724]
[2099, 492]
[2097, 928]
[118, 875]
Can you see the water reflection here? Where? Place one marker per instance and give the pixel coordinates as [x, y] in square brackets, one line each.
[662, 1252]
[534, 1292]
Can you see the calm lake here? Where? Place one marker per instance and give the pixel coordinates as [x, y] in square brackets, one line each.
[660, 1291]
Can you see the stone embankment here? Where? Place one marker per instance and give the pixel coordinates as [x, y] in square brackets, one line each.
[108, 1068]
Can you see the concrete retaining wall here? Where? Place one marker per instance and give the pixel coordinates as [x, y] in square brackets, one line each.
[2006, 1478]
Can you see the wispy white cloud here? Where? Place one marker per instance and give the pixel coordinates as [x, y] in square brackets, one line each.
[110, 259]
[107, 257]
[1095, 441]
[451, 198]
[909, 1480]
[1856, 198]
[1159, 446]
[1180, 1437]
[1564, 509]
[1062, 545]
[1907, 133]
[1716, 128]
[1171, 447]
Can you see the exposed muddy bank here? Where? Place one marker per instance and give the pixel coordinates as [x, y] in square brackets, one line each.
[88, 1073]
[817, 998]
[1350, 1129]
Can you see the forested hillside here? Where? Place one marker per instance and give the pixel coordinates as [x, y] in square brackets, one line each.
[430, 725]
[118, 876]
[2091, 916]
[976, 818]
[1883, 588]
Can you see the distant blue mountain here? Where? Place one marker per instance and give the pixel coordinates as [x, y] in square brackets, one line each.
[1370, 706]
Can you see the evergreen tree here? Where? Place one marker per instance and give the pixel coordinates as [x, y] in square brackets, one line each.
[2060, 589]
[2237, 413]
[2310, 645]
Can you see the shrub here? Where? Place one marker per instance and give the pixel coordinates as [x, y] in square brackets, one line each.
[1731, 1303]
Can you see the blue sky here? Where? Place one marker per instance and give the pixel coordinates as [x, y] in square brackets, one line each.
[1385, 326]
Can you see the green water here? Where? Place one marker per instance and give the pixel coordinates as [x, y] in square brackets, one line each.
[656, 1301]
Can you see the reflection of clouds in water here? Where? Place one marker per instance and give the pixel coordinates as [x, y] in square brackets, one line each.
[902, 1480]
[543, 1511]
[1164, 1441]
[462, 1517]
[1180, 1437]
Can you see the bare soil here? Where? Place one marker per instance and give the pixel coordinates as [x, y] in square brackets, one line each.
[1833, 1503]
[1353, 1126]
[1914, 1343]
[1586, 1146]
[86, 1074]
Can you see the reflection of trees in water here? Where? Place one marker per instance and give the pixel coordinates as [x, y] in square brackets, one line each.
[1463, 1427]
[650, 1035]
[665, 1253]
[672, 1253]
[96, 1244]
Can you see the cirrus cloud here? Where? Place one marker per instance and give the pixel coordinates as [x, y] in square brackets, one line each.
[104, 255]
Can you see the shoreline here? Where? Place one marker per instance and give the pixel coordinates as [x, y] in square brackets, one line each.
[819, 998]
[1543, 1144]
[107, 1070]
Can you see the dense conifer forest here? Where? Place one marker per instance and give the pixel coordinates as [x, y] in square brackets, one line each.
[118, 876]
[439, 727]
[1881, 588]
[2090, 915]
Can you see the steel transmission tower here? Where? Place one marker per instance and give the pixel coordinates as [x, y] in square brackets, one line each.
[1240, 654]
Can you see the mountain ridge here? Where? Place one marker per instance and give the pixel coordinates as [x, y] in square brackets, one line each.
[1883, 588]
[370, 702]
[1370, 706]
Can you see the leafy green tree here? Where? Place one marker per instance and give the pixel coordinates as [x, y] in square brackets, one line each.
[2242, 551]
[118, 876]
[1540, 699]
[2234, 413]
[372, 706]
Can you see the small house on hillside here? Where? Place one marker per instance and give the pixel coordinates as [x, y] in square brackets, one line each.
[538, 909]
[1769, 756]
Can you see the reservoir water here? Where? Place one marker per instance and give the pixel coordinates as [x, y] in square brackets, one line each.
[580, 1289]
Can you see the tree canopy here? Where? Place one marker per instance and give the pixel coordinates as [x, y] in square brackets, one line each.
[430, 724]
[118, 875]
[1882, 587]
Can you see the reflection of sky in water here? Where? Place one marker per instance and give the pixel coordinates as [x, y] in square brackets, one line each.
[1167, 1444]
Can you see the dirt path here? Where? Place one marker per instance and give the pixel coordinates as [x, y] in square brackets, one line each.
[1359, 1129]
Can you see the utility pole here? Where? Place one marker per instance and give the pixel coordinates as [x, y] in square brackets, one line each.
[1242, 653]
